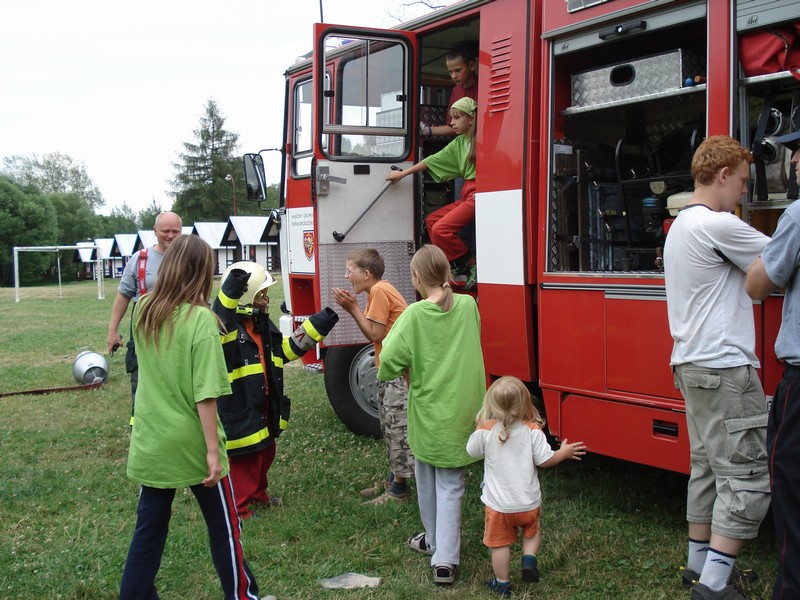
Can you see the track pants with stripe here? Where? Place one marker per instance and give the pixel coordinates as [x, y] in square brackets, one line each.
[224, 531]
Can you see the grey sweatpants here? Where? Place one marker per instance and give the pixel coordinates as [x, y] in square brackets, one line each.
[439, 492]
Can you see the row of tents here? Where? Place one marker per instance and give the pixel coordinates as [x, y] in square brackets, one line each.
[253, 238]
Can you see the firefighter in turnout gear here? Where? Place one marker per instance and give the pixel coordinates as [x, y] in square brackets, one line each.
[257, 411]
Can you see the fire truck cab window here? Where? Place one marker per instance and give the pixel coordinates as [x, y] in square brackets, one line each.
[302, 148]
[370, 114]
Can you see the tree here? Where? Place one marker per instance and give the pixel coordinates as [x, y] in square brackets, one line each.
[248, 207]
[121, 220]
[200, 188]
[54, 173]
[147, 216]
[27, 218]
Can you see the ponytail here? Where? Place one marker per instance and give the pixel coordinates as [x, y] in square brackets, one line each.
[433, 270]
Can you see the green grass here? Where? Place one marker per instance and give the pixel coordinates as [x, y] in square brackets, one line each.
[610, 529]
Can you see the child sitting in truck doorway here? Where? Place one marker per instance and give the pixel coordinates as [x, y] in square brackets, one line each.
[457, 159]
[364, 271]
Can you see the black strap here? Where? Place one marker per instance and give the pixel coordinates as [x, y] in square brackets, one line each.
[758, 147]
[793, 189]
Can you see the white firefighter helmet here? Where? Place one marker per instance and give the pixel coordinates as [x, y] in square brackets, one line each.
[260, 279]
[90, 367]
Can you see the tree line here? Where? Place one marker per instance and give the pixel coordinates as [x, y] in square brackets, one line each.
[50, 200]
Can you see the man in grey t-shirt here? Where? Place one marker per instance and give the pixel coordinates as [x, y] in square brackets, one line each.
[778, 267]
[167, 228]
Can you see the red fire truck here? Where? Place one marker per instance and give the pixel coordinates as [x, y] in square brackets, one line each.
[589, 113]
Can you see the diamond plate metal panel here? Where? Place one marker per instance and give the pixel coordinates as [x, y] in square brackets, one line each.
[636, 79]
[332, 260]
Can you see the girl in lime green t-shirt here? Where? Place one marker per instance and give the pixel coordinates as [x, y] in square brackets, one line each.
[177, 439]
[436, 341]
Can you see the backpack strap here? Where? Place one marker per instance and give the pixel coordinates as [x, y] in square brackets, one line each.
[142, 267]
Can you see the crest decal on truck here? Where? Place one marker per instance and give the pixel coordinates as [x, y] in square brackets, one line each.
[308, 244]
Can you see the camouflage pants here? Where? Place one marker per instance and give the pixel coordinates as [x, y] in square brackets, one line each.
[393, 415]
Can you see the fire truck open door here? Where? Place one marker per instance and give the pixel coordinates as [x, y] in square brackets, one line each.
[365, 126]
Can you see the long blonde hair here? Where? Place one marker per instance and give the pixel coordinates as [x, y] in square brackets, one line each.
[433, 270]
[508, 401]
[186, 276]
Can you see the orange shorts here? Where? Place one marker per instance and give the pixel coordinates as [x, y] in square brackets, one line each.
[500, 529]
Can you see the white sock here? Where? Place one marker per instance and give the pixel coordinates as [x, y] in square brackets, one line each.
[697, 555]
[717, 569]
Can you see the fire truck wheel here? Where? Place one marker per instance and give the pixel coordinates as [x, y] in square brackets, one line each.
[352, 387]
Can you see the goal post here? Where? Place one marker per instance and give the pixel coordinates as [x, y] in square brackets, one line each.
[98, 266]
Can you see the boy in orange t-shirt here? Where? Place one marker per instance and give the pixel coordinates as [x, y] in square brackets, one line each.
[365, 269]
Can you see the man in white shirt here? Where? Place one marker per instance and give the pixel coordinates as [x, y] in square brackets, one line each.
[706, 256]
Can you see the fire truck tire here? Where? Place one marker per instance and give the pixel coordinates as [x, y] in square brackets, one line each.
[352, 387]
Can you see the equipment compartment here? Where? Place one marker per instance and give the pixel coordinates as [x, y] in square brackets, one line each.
[637, 79]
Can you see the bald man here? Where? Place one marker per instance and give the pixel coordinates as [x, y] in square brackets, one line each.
[138, 277]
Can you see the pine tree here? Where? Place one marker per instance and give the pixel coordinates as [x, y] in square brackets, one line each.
[200, 188]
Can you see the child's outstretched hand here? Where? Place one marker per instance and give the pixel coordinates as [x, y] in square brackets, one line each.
[345, 299]
[572, 451]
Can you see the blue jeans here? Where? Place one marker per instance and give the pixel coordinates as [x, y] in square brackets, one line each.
[224, 531]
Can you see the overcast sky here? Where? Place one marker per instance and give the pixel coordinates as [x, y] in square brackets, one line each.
[120, 87]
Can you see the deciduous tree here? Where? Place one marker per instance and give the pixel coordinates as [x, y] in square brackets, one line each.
[27, 218]
[54, 173]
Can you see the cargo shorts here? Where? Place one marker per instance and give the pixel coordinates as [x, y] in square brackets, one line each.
[393, 416]
[726, 417]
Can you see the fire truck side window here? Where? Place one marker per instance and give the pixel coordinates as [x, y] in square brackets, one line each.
[371, 100]
[302, 127]
[302, 149]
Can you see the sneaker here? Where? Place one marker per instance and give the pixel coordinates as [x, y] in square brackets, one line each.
[729, 592]
[418, 544]
[530, 568]
[387, 497]
[501, 588]
[373, 491]
[739, 577]
[444, 574]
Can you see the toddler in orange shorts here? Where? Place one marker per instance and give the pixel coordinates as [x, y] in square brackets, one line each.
[510, 439]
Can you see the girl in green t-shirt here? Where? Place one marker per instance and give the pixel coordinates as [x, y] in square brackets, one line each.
[436, 341]
[177, 439]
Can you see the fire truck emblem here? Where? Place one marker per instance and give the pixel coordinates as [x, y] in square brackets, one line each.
[308, 244]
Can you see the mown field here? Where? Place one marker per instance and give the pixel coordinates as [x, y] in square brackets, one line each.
[610, 529]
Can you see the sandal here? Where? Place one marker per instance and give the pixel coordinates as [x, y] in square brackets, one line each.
[444, 574]
[418, 544]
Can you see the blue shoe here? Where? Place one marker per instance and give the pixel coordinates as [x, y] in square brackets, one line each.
[501, 588]
[530, 568]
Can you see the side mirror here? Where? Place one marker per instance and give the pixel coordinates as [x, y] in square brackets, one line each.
[254, 177]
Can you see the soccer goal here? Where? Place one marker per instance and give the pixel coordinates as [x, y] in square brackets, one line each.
[101, 294]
